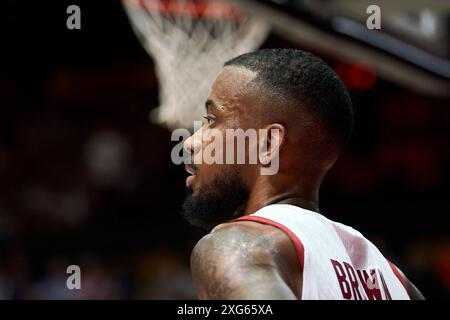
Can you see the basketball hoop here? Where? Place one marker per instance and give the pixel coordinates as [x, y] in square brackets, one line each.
[189, 42]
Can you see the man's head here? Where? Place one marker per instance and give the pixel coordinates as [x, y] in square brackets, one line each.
[286, 91]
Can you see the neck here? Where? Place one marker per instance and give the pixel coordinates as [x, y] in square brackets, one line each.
[299, 201]
[266, 194]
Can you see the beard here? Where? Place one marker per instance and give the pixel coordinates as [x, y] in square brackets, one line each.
[222, 200]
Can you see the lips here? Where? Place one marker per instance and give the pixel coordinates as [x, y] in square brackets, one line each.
[191, 178]
[190, 169]
[190, 181]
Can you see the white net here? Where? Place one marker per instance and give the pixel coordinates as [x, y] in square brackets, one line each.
[189, 42]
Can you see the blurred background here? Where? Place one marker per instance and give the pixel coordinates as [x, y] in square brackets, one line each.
[87, 179]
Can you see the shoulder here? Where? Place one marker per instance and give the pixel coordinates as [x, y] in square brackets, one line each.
[239, 231]
[232, 249]
[244, 240]
[237, 242]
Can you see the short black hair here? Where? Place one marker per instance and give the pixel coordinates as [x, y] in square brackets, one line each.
[301, 76]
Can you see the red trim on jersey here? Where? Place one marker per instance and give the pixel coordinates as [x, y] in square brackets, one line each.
[297, 243]
[398, 274]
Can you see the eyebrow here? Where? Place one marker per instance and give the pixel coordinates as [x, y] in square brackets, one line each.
[211, 104]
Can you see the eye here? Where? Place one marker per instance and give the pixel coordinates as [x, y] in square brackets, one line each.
[209, 119]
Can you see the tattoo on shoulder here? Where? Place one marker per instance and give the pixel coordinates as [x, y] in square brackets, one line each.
[223, 259]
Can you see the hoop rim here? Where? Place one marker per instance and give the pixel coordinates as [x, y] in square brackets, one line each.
[204, 9]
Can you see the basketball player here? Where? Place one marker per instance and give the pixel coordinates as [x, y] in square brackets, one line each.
[268, 238]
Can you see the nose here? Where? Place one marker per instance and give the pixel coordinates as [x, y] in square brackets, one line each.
[193, 143]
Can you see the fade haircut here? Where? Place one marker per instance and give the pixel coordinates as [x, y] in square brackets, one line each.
[305, 80]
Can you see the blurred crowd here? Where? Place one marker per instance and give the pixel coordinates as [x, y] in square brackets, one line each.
[89, 196]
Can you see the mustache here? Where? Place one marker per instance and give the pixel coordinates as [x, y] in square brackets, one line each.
[188, 161]
[191, 168]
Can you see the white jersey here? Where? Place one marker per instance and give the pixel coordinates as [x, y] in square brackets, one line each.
[337, 261]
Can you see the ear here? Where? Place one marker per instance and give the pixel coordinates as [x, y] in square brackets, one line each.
[271, 140]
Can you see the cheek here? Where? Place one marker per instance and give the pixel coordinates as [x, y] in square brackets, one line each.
[205, 177]
[208, 172]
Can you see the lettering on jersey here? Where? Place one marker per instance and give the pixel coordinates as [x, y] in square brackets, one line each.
[360, 284]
